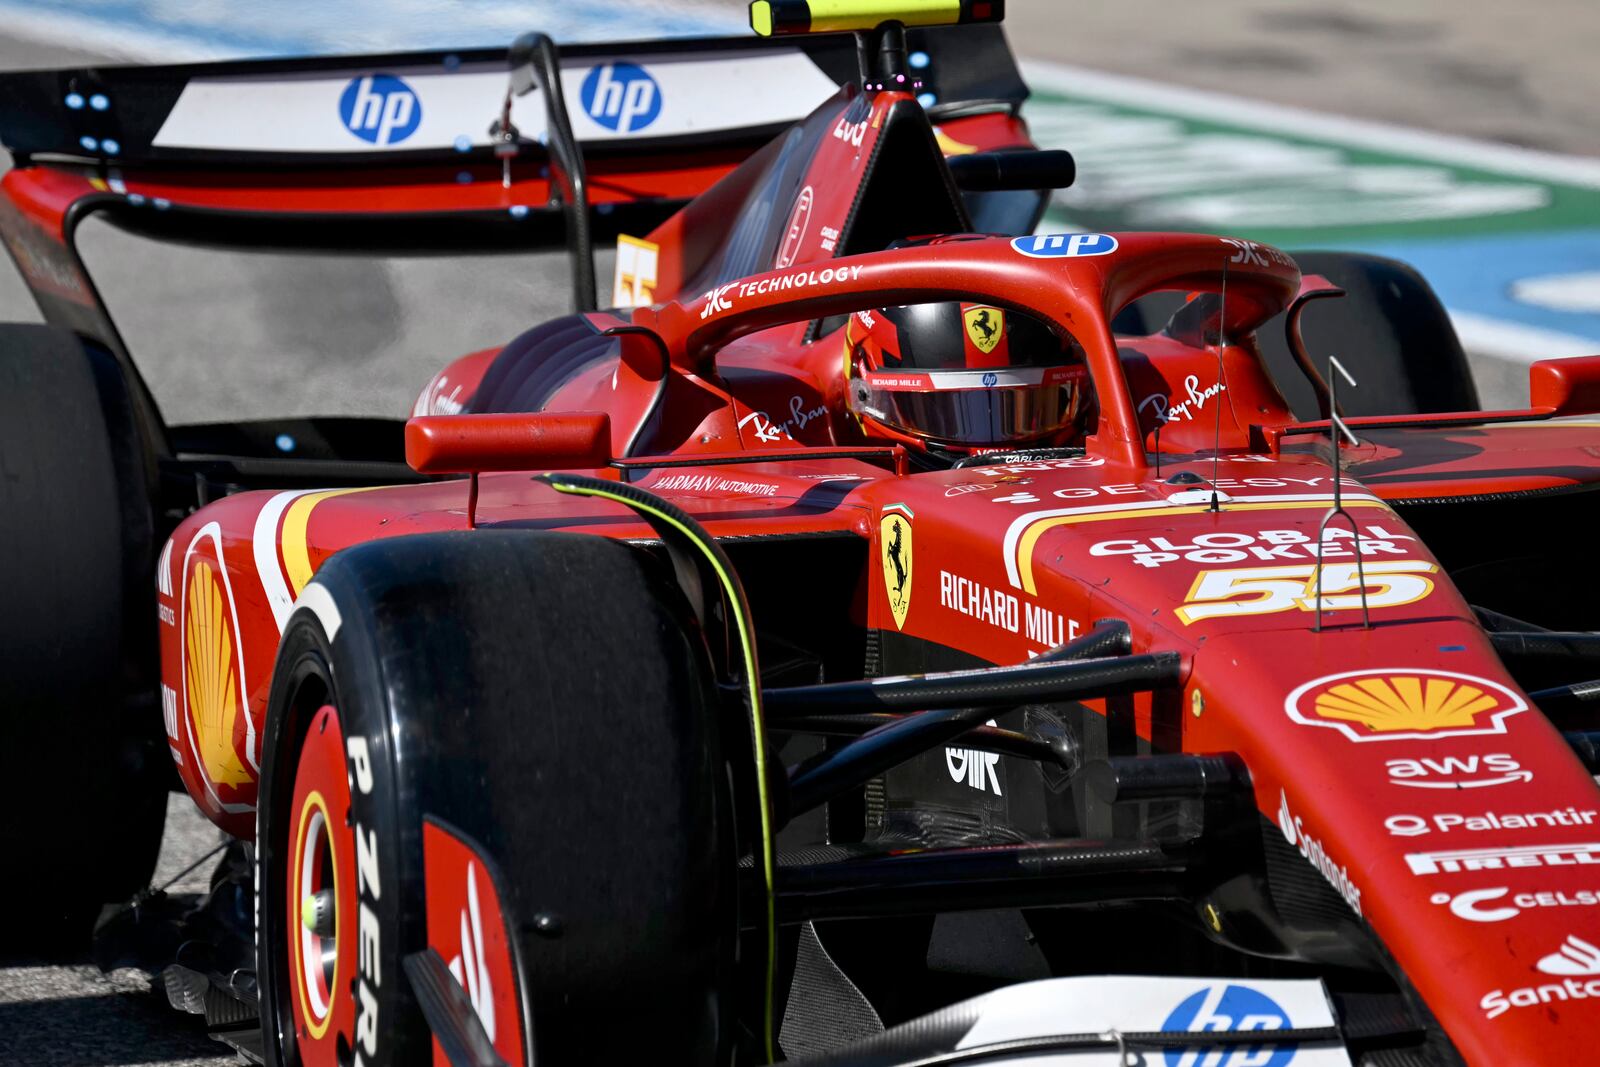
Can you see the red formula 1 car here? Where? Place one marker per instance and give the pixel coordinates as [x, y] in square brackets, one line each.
[886, 636]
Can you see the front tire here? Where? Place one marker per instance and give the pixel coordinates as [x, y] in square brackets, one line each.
[542, 698]
[1389, 330]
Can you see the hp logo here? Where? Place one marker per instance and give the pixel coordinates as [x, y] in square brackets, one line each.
[990, 379]
[380, 109]
[1229, 1008]
[621, 97]
[1057, 245]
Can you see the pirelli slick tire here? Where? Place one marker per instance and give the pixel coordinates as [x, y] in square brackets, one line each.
[503, 747]
[1389, 331]
[83, 775]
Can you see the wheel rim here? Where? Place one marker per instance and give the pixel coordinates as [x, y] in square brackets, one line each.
[320, 896]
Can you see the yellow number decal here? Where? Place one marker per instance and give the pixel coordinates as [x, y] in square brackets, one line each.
[1267, 590]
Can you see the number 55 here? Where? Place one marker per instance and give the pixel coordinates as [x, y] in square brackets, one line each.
[1389, 583]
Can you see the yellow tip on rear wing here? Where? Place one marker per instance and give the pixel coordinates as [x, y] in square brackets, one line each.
[780, 18]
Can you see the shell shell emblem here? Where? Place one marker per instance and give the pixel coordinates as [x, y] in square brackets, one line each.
[1397, 703]
[212, 680]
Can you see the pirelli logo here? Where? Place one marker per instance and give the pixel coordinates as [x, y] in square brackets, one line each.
[1500, 859]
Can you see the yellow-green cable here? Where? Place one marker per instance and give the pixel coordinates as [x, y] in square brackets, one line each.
[757, 727]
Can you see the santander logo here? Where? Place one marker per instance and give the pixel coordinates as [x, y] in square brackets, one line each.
[1575, 956]
[468, 965]
[1337, 874]
[467, 928]
[1576, 963]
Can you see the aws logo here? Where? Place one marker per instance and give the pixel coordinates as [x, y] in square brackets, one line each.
[1397, 703]
[380, 109]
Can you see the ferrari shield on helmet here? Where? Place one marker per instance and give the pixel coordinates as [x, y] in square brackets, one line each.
[964, 375]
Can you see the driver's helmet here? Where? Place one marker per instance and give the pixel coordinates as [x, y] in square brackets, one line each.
[964, 377]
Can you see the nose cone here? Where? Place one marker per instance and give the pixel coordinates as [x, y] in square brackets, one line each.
[1437, 802]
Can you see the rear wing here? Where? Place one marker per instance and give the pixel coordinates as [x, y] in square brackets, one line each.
[410, 108]
[420, 152]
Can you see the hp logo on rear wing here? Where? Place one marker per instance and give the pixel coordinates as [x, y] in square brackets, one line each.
[380, 109]
[621, 96]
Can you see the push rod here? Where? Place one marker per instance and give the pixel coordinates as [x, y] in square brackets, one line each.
[1039, 874]
[1037, 681]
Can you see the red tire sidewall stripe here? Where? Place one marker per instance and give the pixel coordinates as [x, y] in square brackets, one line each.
[320, 774]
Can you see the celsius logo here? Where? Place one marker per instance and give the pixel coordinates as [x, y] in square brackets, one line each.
[621, 97]
[380, 109]
[1229, 1008]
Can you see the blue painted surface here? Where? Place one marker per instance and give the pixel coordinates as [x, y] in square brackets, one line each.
[1476, 273]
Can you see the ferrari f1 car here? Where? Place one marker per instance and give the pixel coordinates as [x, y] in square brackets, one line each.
[885, 635]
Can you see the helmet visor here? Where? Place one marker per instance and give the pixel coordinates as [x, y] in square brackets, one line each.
[973, 407]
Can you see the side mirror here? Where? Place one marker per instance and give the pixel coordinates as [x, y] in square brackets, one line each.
[536, 441]
[1565, 386]
[1038, 169]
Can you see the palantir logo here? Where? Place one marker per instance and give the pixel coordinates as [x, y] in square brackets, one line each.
[380, 109]
[621, 97]
[1229, 1008]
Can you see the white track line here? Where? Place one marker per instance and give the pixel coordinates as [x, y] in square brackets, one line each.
[1207, 105]
[1512, 341]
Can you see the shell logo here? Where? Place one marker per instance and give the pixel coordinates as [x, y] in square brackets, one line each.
[211, 678]
[1404, 702]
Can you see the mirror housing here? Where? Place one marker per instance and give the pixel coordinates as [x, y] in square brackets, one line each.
[531, 441]
[999, 171]
[1565, 386]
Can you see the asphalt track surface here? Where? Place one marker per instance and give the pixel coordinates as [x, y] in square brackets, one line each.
[360, 336]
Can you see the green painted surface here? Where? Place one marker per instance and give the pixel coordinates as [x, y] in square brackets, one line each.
[1141, 169]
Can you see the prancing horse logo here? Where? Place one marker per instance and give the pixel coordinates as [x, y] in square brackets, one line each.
[985, 327]
[894, 534]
